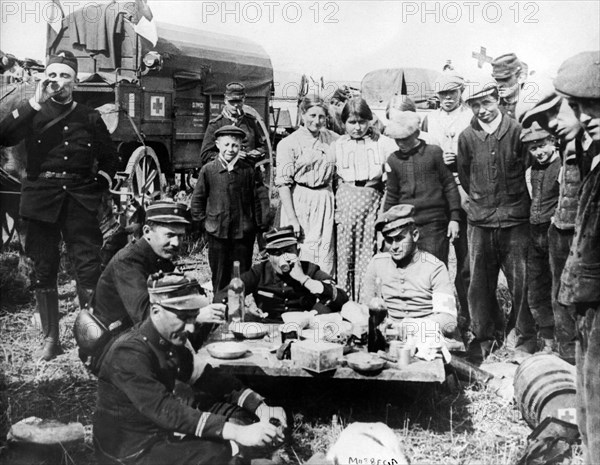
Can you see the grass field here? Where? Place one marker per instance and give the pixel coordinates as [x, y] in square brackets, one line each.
[447, 424]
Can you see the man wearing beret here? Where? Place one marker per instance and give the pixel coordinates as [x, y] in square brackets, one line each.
[417, 175]
[285, 284]
[445, 125]
[141, 418]
[71, 160]
[121, 299]
[553, 113]
[491, 168]
[510, 74]
[578, 79]
[415, 284]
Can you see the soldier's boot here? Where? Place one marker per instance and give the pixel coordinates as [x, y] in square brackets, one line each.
[85, 296]
[47, 306]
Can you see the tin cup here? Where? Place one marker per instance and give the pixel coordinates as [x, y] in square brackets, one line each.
[401, 352]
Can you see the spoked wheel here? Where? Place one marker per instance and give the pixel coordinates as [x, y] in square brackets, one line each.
[145, 181]
[9, 226]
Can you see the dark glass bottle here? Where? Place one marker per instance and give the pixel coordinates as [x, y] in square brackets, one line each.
[377, 320]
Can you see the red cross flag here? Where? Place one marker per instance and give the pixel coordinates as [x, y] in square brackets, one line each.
[144, 22]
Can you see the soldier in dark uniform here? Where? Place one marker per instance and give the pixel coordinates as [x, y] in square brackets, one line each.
[510, 74]
[284, 283]
[140, 412]
[253, 145]
[70, 164]
[121, 298]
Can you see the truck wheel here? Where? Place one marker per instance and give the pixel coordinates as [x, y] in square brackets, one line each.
[145, 179]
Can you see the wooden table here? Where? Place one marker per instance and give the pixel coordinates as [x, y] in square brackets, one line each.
[262, 361]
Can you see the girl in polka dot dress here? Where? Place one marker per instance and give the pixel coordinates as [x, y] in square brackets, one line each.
[360, 157]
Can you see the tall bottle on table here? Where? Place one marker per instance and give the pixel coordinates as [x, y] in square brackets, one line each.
[377, 320]
[236, 297]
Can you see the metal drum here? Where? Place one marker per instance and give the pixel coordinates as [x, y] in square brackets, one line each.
[545, 386]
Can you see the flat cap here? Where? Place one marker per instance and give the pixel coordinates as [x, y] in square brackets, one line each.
[230, 130]
[403, 124]
[402, 103]
[546, 99]
[448, 80]
[235, 91]
[505, 66]
[279, 238]
[396, 217]
[165, 211]
[533, 133]
[579, 76]
[488, 89]
[64, 57]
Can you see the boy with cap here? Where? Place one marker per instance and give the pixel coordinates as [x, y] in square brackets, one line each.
[71, 160]
[542, 182]
[285, 284]
[253, 142]
[578, 79]
[417, 175]
[491, 168]
[414, 283]
[445, 125]
[140, 416]
[227, 207]
[553, 114]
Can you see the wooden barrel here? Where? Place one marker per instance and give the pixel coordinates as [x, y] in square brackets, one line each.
[545, 386]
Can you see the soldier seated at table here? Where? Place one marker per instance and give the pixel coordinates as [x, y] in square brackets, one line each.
[285, 284]
[415, 284]
[141, 416]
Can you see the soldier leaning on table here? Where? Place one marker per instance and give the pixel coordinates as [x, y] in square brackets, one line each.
[284, 283]
[140, 419]
[71, 160]
[578, 79]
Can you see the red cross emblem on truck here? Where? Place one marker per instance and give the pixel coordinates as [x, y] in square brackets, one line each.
[157, 105]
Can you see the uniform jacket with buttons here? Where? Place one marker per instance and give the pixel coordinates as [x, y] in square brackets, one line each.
[136, 405]
[225, 202]
[79, 144]
[247, 122]
[276, 294]
[122, 290]
[491, 169]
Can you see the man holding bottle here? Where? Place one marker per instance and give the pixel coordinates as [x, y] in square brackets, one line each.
[414, 284]
[284, 283]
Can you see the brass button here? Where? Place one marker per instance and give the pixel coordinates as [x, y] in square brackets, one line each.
[65, 187]
[66, 128]
[66, 142]
[66, 158]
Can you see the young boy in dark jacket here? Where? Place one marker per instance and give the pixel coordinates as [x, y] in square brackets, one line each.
[226, 206]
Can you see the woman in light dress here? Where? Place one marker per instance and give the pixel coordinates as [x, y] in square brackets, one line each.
[304, 176]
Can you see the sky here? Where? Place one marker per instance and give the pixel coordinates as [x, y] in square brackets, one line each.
[344, 40]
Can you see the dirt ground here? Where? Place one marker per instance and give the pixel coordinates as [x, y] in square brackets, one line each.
[452, 423]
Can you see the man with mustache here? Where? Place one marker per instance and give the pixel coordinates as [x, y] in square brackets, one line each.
[121, 298]
[284, 283]
[143, 414]
[71, 160]
[510, 74]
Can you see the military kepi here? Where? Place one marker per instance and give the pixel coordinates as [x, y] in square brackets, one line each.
[505, 66]
[279, 238]
[64, 57]
[391, 221]
[164, 211]
[176, 291]
[235, 91]
[230, 130]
